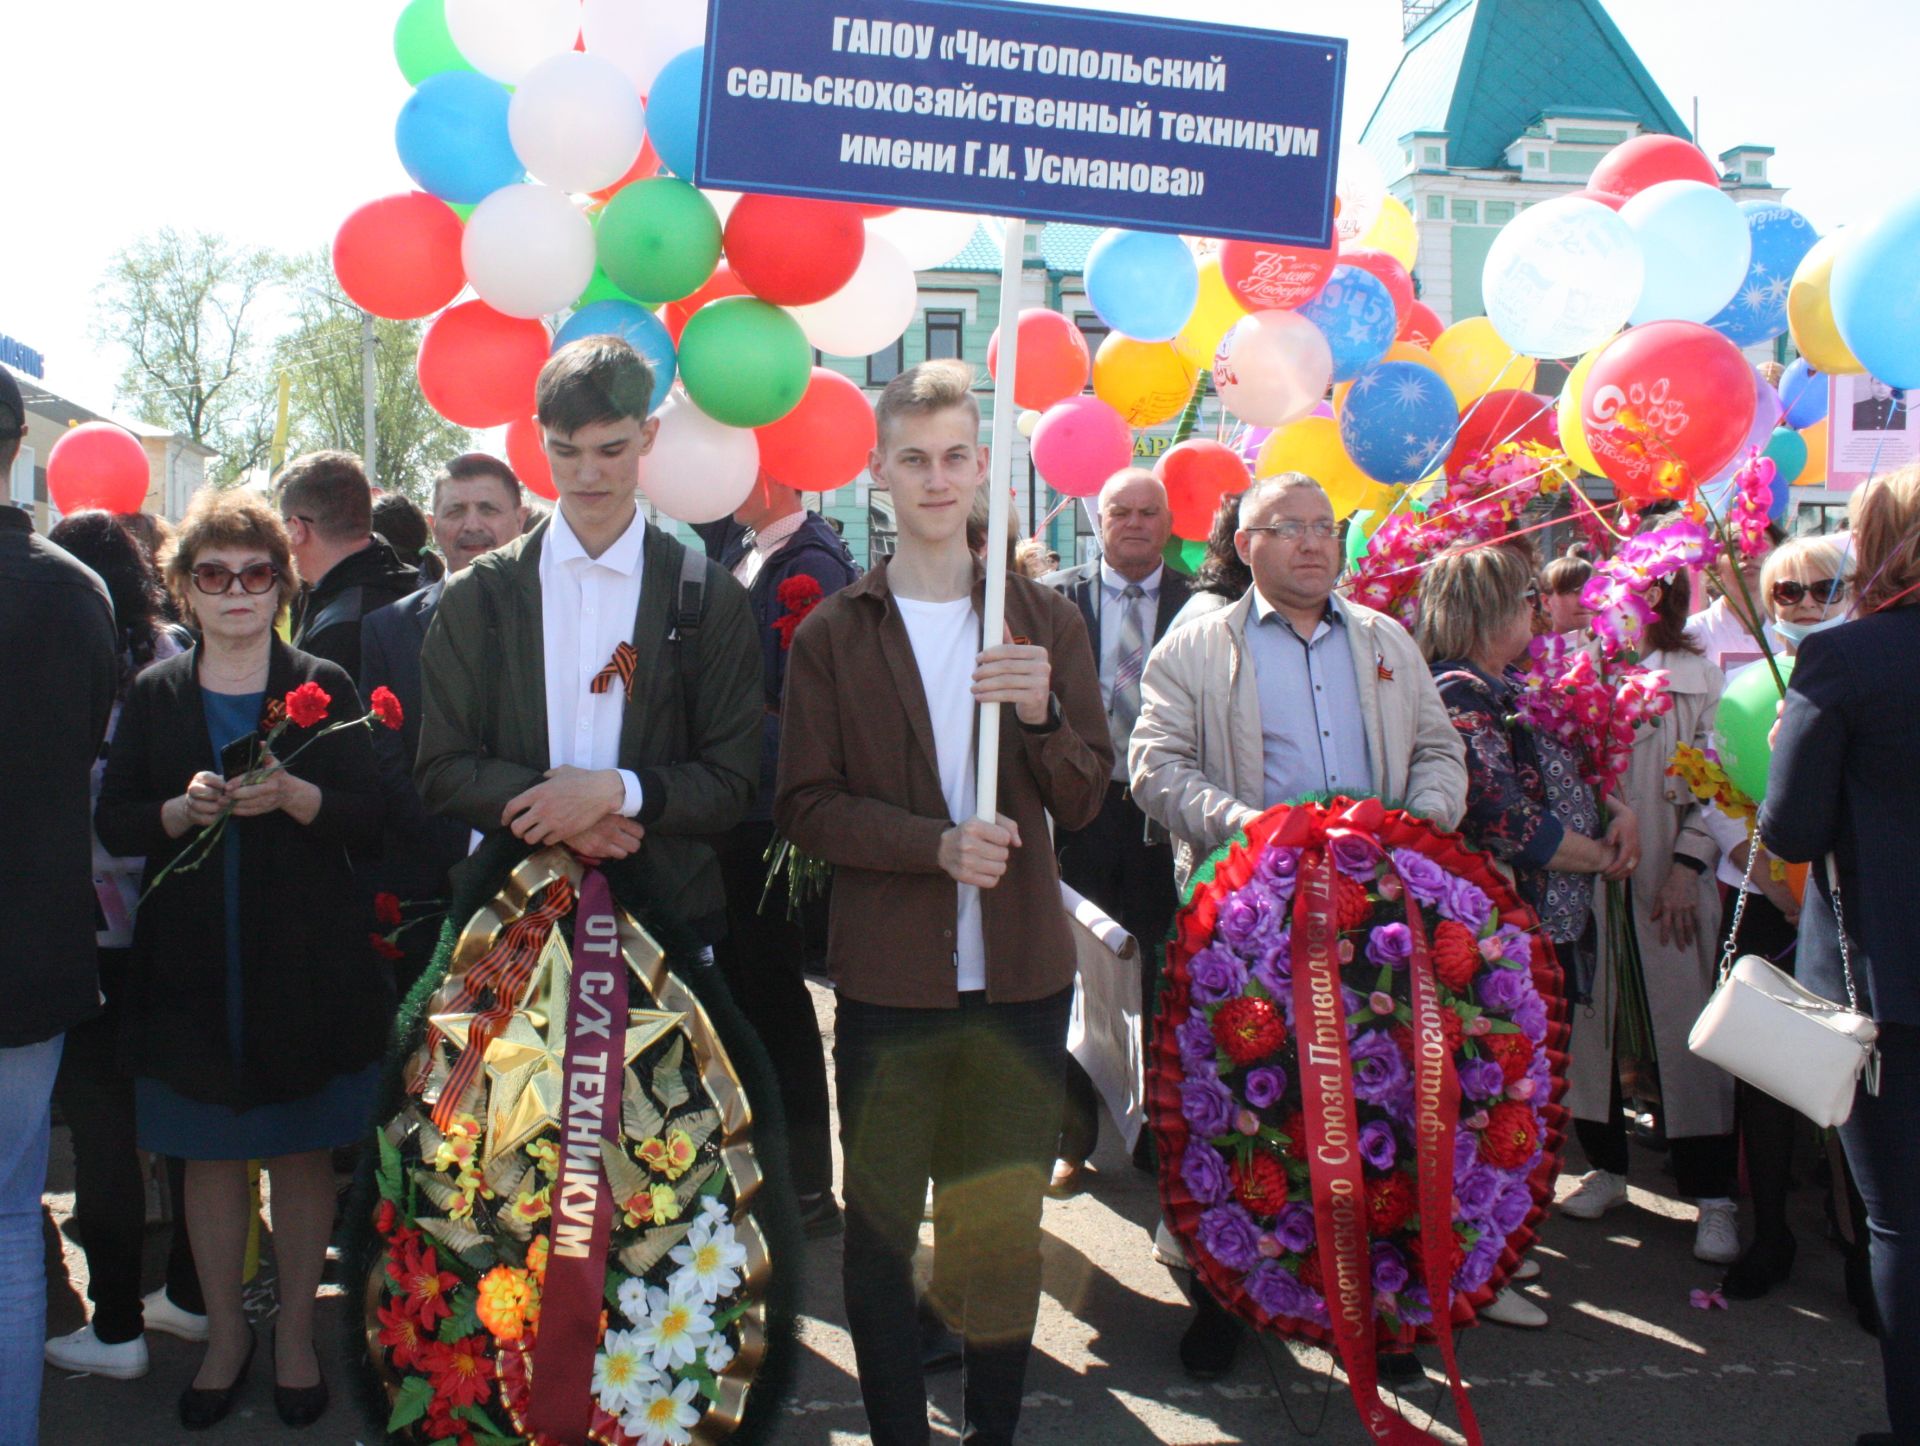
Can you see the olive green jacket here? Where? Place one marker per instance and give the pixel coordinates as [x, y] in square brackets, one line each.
[483, 737]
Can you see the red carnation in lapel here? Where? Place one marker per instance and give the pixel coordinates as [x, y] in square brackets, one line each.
[799, 595]
[386, 707]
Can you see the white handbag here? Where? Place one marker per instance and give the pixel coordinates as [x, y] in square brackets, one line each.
[1764, 1027]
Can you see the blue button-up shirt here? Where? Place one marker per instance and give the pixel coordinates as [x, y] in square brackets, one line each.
[1314, 739]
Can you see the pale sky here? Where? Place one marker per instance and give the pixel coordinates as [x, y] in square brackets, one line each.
[269, 120]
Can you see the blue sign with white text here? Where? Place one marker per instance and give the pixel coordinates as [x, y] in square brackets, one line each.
[1026, 110]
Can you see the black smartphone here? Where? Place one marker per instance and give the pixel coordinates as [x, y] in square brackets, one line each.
[241, 756]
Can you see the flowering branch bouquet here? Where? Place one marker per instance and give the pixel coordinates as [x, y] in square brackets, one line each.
[1593, 704]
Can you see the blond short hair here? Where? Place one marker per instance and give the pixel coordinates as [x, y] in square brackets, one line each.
[933, 386]
[1464, 592]
[1804, 557]
[226, 518]
[1885, 522]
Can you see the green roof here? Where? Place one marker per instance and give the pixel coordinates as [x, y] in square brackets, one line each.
[1063, 246]
[1484, 70]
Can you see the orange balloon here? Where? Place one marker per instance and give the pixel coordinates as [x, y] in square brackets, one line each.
[1814, 474]
[1146, 382]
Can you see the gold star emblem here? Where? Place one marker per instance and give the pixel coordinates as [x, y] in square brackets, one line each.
[526, 1061]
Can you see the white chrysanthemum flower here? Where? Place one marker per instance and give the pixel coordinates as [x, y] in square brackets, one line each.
[719, 1354]
[663, 1417]
[633, 1299]
[622, 1374]
[709, 1259]
[677, 1328]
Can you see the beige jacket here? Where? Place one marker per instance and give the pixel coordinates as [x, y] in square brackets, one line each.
[1196, 757]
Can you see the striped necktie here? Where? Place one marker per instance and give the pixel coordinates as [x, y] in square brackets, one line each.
[1124, 706]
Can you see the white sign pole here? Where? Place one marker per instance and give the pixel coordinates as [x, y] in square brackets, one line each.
[993, 624]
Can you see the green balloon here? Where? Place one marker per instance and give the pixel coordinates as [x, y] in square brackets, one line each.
[1183, 555]
[1357, 539]
[744, 362]
[1740, 727]
[421, 43]
[658, 240]
[462, 209]
[600, 289]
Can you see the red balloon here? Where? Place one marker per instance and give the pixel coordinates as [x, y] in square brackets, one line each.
[477, 368]
[1276, 275]
[399, 256]
[97, 464]
[722, 283]
[822, 443]
[1662, 393]
[1632, 166]
[1391, 274]
[792, 251]
[1508, 416]
[1053, 363]
[528, 458]
[1197, 474]
[1421, 325]
[1605, 198]
[869, 211]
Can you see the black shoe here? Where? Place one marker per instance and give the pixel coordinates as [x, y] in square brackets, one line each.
[1761, 1266]
[1212, 1340]
[1860, 1293]
[200, 1409]
[820, 1216]
[1401, 1366]
[299, 1405]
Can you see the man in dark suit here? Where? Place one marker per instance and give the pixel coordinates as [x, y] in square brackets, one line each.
[57, 637]
[327, 504]
[1120, 861]
[1881, 409]
[477, 507]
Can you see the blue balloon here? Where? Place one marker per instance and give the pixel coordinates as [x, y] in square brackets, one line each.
[633, 324]
[1354, 311]
[1399, 421]
[673, 111]
[1788, 449]
[1781, 238]
[452, 137]
[1876, 295]
[1803, 394]
[1143, 283]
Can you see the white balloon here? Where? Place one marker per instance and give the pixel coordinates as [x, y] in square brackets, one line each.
[871, 311]
[1272, 368]
[723, 203]
[527, 250]
[1360, 190]
[1562, 277]
[1697, 248]
[505, 39]
[926, 238]
[641, 36]
[1026, 422]
[699, 470]
[576, 122]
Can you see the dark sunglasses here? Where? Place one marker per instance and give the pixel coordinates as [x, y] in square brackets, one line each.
[1822, 590]
[213, 579]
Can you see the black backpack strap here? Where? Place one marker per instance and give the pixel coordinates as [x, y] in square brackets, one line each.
[690, 604]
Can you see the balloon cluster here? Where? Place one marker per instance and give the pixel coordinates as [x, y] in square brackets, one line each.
[552, 142]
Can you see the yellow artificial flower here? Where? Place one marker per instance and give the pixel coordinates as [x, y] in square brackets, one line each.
[505, 1294]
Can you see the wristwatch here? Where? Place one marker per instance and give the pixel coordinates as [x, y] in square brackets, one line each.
[1690, 862]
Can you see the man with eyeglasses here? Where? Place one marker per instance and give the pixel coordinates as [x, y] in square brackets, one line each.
[1289, 692]
[327, 505]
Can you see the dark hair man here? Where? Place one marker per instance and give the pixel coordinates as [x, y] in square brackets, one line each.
[328, 508]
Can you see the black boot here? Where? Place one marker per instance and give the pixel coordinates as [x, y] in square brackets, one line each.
[1761, 1266]
[1212, 1339]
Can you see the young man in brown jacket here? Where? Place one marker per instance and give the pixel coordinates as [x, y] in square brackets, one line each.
[948, 943]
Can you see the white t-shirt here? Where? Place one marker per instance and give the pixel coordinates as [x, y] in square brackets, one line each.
[946, 641]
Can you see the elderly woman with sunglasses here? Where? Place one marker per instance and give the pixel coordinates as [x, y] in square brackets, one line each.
[255, 1008]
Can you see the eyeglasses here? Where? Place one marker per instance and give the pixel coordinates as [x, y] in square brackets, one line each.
[1531, 597]
[1293, 531]
[213, 579]
[1822, 590]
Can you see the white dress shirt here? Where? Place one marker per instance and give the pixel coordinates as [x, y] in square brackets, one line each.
[1112, 604]
[766, 542]
[587, 607]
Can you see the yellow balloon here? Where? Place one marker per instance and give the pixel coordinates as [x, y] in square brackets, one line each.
[1810, 311]
[1313, 446]
[1393, 232]
[1573, 432]
[1406, 351]
[1147, 382]
[1214, 314]
[1473, 359]
[1814, 474]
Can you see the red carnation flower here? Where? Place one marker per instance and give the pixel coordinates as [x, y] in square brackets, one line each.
[1456, 956]
[1402, 1036]
[1310, 1273]
[386, 909]
[1454, 1032]
[386, 708]
[1294, 1127]
[307, 704]
[1513, 1051]
[1248, 1029]
[799, 591]
[1389, 1203]
[1511, 1136]
[385, 947]
[1260, 1184]
[1455, 1253]
[1352, 904]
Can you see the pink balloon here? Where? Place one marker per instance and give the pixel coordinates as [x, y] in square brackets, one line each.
[1766, 416]
[1272, 368]
[1079, 444]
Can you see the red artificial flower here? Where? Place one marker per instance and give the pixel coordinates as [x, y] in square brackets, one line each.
[1261, 1184]
[420, 1284]
[1511, 1136]
[799, 591]
[1310, 1273]
[442, 1425]
[1513, 1051]
[1353, 906]
[1389, 1203]
[461, 1371]
[386, 708]
[1402, 1036]
[307, 704]
[1416, 1248]
[1249, 1029]
[1294, 1127]
[1452, 1030]
[386, 909]
[385, 947]
[384, 1216]
[1456, 956]
[404, 1336]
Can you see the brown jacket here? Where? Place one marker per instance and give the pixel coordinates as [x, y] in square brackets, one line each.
[860, 787]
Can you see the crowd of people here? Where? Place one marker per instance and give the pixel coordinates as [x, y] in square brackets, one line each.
[581, 678]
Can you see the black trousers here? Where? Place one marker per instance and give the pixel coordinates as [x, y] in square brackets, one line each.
[1883, 1151]
[992, 1072]
[1767, 1127]
[763, 960]
[110, 1195]
[1112, 864]
[1703, 1165]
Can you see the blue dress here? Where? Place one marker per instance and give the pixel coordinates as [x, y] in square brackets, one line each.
[336, 1114]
